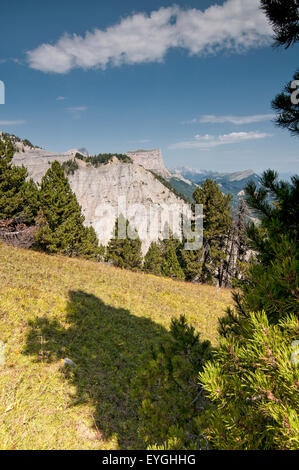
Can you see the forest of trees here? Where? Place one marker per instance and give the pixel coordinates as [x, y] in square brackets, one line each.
[103, 158]
[53, 208]
[223, 258]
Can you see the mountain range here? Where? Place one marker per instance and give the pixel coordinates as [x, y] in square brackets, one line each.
[140, 176]
[187, 179]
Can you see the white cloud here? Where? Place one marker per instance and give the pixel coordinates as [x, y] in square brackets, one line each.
[208, 141]
[60, 98]
[11, 123]
[237, 25]
[77, 109]
[238, 120]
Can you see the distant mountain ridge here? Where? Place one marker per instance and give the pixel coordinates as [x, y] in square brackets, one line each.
[229, 183]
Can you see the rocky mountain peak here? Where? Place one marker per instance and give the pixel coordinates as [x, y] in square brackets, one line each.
[150, 160]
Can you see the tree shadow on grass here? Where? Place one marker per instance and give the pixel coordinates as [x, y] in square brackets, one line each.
[107, 345]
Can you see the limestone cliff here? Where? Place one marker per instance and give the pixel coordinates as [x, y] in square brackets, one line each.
[99, 191]
[150, 160]
[37, 161]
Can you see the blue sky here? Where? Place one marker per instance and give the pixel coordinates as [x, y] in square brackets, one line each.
[195, 81]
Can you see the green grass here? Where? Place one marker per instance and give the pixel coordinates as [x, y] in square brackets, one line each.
[102, 318]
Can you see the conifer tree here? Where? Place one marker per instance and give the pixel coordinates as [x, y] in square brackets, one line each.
[170, 248]
[62, 229]
[190, 260]
[89, 247]
[168, 387]
[287, 109]
[125, 253]
[284, 17]
[244, 399]
[18, 197]
[153, 259]
[31, 204]
[191, 263]
[241, 233]
[253, 389]
[170, 264]
[237, 249]
[271, 282]
[216, 225]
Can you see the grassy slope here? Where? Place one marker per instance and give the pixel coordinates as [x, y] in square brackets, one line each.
[102, 318]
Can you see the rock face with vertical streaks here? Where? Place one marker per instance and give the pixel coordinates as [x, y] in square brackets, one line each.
[103, 189]
[150, 160]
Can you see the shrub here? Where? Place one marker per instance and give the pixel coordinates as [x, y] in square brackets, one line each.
[70, 166]
[168, 388]
[253, 388]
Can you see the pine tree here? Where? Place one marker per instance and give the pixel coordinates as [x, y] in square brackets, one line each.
[288, 111]
[237, 249]
[217, 223]
[244, 399]
[191, 263]
[163, 257]
[170, 264]
[62, 229]
[18, 197]
[190, 260]
[253, 389]
[170, 248]
[125, 253]
[284, 17]
[153, 259]
[241, 236]
[89, 247]
[271, 282]
[31, 204]
[167, 385]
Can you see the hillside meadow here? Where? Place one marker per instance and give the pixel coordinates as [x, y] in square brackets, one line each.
[104, 320]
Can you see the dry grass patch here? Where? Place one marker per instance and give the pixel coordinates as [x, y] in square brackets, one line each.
[104, 320]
